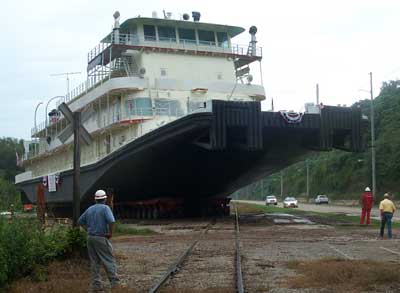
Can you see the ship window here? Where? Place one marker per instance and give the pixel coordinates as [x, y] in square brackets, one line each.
[149, 32]
[166, 34]
[139, 107]
[193, 106]
[222, 39]
[206, 38]
[187, 36]
[163, 72]
[168, 107]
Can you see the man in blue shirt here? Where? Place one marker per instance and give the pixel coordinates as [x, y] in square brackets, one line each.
[98, 220]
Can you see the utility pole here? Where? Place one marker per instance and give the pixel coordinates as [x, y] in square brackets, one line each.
[317, 89]
[372, 138]
[76, 128]
[262, 188]
[308, 180]
[282, 185]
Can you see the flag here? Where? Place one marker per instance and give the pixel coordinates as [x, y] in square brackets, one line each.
[18, 160]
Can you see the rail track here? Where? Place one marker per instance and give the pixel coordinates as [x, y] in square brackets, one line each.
[178, 266]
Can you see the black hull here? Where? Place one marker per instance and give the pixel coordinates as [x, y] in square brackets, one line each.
[207, 155]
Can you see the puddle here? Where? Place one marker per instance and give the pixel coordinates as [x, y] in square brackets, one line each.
[282, 221]
[282, 215]
[303, 221]
[282, 218]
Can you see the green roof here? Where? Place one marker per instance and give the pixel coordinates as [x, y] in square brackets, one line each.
[133, 22]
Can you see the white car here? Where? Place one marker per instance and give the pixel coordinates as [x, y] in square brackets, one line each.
[271, 199]
[290, 202]
[321, 199]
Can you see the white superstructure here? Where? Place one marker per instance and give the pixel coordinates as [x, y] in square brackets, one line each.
[146, 73]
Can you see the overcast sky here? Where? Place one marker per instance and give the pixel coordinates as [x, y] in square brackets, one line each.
[333, 43]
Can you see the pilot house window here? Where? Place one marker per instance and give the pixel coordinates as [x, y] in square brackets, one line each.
[187, 36]
[149, 32]
[222, 39]
[206, 38]
[166, 33]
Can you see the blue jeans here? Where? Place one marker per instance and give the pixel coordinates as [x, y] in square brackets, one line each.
[386, 218]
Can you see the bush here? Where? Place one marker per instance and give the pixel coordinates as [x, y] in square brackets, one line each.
[63, 242]
[24, 246]
[9, 195]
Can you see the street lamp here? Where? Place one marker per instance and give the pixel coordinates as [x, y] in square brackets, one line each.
[48, 102]
[373, 164]
[34, 121]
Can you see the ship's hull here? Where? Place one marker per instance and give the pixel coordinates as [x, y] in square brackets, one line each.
[207, 155]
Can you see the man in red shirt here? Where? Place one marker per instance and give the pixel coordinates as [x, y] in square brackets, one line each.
[367, 200]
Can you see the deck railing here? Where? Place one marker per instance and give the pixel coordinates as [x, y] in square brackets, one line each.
[163, 42]
[136, 114]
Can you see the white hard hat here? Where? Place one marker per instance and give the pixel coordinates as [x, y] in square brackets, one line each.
[100, 194]
[367, 189]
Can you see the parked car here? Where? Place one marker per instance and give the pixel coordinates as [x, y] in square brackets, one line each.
[271, 199]
[290, 202]
[27, 208]
[321, 198]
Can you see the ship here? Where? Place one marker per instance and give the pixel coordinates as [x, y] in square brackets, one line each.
[176, 123]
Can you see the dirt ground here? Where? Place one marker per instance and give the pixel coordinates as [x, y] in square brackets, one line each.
[331, 208]
[280, 253]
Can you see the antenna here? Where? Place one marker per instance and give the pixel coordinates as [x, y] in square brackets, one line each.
[66, 74]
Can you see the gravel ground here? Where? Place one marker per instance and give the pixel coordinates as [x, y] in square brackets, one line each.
[210, 266]
[266, 249]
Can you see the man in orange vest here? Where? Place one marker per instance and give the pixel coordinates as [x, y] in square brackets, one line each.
[367, 200]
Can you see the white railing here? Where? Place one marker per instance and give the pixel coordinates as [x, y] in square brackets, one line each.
[83, 88]
[138, 114]
[162, 42]
[97, 50]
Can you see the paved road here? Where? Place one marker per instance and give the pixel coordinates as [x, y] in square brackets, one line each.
[351, 211]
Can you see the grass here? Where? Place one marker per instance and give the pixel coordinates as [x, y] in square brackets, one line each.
[60, 276]
[344, 275]
[126, 229]
[334, 219]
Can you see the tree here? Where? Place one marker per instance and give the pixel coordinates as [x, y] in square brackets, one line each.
[344, 175]
[8, 163]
